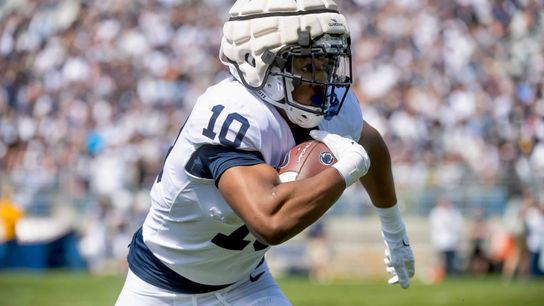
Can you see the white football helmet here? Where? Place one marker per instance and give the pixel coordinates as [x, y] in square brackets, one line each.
[273, 46]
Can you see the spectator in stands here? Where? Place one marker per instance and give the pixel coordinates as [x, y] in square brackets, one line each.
[479, 233]
[446, 225]
[95, 244]
[516, 259]
[9, 216]
[534, 219]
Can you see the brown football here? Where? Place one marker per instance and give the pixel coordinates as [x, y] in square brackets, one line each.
[305, 160]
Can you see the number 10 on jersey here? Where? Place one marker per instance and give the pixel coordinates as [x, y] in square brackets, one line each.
[226, 126]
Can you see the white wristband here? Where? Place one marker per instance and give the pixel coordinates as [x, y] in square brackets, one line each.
[353, 165]
[391, 220]
[346, 170]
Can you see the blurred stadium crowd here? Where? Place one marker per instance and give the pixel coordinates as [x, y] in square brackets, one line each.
[92, 93]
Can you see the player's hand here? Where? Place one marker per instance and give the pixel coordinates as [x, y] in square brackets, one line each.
[352, 159]
[399, 259]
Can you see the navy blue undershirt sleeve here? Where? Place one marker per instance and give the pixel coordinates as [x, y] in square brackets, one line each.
[211, 161]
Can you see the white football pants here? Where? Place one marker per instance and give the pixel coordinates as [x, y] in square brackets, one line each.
[262, 292]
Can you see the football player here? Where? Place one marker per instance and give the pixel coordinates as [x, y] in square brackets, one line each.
[218, 203]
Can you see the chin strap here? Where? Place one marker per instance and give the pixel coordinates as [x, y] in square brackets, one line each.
[302, 118]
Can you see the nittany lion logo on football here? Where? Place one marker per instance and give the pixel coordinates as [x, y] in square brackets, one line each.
[326, 158]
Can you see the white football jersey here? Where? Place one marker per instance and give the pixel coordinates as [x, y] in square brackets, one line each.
[190, 227]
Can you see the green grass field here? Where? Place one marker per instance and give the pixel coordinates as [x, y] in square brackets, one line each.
[58, 288]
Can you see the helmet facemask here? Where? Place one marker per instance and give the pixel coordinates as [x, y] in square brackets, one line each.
[322, 66]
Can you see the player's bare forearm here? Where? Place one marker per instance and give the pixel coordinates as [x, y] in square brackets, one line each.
[378, 182]
[275, 212]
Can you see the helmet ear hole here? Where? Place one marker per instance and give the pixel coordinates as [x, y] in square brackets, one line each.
[273, 89]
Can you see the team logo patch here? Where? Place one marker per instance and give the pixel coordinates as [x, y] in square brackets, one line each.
[326, 158]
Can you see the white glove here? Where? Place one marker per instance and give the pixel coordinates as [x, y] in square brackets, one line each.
[399, 259]
[352, 159]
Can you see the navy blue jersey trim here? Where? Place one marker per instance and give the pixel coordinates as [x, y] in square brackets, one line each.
[146, 266]
[210, 161]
